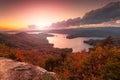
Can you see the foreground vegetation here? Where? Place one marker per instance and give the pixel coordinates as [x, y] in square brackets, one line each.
[100, 63]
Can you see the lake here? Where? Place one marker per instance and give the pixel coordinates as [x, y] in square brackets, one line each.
[77, 44]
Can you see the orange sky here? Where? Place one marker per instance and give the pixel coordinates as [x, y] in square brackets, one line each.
[18, 14]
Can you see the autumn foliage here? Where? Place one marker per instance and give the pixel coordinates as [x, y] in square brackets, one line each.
[100, 63]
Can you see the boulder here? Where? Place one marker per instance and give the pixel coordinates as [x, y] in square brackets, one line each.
[13, 70]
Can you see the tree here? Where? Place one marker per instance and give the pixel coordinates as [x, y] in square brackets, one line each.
[103, 63]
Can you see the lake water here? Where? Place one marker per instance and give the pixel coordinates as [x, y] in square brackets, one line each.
[77, 44]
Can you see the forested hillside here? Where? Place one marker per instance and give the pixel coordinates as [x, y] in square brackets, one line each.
[100, 63]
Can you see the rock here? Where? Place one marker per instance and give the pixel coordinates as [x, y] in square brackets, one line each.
[13, 70]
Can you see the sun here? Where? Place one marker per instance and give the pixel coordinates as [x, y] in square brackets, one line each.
[41, 24]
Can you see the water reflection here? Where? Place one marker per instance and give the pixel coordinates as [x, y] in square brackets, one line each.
[77, 44]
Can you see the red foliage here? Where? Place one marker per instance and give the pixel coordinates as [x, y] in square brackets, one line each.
[19, 55]
[77, 66]
[66, 72]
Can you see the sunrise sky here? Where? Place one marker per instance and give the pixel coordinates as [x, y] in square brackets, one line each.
[18, 14]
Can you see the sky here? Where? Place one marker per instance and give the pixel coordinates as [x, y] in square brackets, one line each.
[21, 14]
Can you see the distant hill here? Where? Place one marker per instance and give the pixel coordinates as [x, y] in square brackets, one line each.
[25, 41]
[2, 32]
[90, 32]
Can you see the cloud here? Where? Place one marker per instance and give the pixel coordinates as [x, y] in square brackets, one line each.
[67, 23]
[109, 12]
[32, 27]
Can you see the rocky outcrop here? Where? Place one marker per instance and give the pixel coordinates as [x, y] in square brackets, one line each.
[13, 70]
